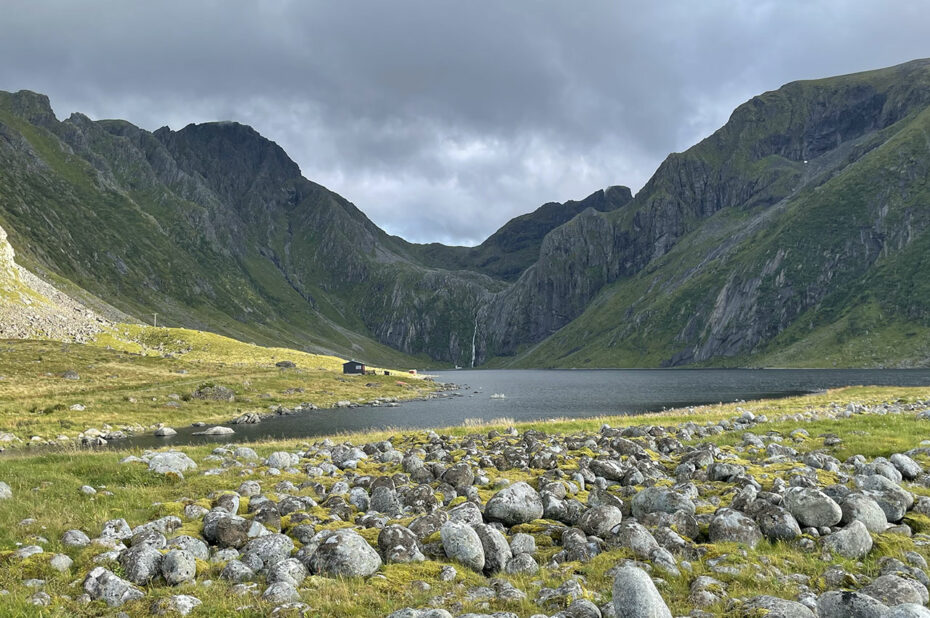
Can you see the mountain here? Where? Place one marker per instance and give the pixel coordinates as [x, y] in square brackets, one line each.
[794, 235]
[515, 247]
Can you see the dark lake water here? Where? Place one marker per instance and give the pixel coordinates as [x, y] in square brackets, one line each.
[539, 394]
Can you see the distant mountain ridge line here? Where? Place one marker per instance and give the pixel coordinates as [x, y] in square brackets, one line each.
[793, 233]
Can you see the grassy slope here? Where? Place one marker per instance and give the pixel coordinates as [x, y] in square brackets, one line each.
[873, 314]
[126, 381]
[46, 486]
[131, 246]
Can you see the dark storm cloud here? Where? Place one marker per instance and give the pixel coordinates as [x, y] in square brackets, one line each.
[443, 119]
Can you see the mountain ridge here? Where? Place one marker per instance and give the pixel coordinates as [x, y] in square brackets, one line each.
[717, 259]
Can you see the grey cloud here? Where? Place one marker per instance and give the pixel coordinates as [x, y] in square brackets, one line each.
[443, 119]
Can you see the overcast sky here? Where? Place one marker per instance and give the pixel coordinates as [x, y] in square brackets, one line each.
[443, 119]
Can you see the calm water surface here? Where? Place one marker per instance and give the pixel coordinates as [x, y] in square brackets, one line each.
[539, 394]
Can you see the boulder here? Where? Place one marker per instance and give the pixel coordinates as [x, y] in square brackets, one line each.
[101, 584]
[661, 500]
[853, 541]
[836, 604]
[893, 589]
[179, 566]
[774, 607]
[600, 521]
[517, 504]
[496, 549]
[730, 526]
[399, 544]
[635, 596]
[859, 507]
[141, 563]
[812, 508]
[171, 462]
[460, 542]
[342, 553]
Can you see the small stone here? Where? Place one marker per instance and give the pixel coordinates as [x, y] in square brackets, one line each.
[182, 604]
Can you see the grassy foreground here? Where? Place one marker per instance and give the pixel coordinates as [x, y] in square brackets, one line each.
[47, 501]
[136, 377]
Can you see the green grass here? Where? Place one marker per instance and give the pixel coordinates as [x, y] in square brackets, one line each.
[138, 385]
[45, 487]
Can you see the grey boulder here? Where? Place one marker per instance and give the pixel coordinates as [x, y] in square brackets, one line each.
[343, 553]
[635, 596]
[460, 542]
[517, 504]
[853, 541]
[730, 526]
[101, 584]
[836, 604]
[812, 507]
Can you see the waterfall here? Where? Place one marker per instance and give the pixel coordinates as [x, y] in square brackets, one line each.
[474, 338]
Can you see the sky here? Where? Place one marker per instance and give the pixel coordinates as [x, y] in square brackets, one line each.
[443, 119]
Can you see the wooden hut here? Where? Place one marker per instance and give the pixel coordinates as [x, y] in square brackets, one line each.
[353, 367]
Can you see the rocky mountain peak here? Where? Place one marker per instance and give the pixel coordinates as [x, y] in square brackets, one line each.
[31, 106]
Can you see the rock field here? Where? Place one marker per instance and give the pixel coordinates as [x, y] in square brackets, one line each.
[658, 510]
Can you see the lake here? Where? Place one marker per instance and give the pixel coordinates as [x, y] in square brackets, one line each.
[544, 393]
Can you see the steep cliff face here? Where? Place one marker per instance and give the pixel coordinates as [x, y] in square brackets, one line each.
[772, 232]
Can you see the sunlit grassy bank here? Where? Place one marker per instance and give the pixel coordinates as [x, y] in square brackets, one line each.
[141, 376]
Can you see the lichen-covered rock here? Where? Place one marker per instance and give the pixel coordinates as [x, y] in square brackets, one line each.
[836, 604]
[812, 508]
[908, 610]
[517, 504]
[141, 563]
[729, 526]
[774, 607]
[280, 592]
[174, 462]
[182, 604]
[853, 541]
[600, 521]
[270, 549]
[343, 553]
[496, 549]
[860, 507]
[290, 570]
[661, 499]
[178, 566]
[399, 544]
[893, 589]
[775, 523]
[75, 538]
[460, 542]
[635, 596]
[113, 590]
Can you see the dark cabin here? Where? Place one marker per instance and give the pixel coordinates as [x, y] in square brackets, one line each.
[354, 367]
